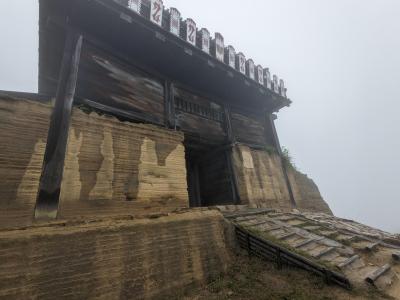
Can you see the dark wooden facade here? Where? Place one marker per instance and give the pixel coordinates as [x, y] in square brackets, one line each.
[134, 65]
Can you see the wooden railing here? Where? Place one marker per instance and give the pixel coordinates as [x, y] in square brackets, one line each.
[256, 246]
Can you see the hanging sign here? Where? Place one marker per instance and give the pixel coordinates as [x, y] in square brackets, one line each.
[230, 56]
[156, 11]
[250, 69]
[282, 88]
[219, 47]
[175, 21]
[276, 84]
[241, 63]
[267, 79]
[191, 31]
[260, 74]
[204, 40]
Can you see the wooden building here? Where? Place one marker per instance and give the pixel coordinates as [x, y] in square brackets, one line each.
[141, 112]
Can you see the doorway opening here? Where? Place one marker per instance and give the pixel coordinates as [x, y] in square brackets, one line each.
[209, 175]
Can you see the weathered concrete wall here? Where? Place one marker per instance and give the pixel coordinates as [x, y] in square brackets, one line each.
[306, 193]
[23, 135]
[262, 182]
[117, 168]
[122, 259]
[260, 178]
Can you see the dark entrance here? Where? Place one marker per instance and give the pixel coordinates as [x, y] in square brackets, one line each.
[209, 175]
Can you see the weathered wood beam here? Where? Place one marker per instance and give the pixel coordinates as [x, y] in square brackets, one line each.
[170, 120]
[229, 156]
[233, 177]
[228, 125]
[53, 166]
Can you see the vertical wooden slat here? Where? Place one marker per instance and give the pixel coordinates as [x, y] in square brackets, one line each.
[170, 120]
[229, 156]
[53, 166]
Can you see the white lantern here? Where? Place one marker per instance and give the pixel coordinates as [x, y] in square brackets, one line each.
[191, 31]
[156, 11]
[135, 5]
[267, 79]
[260, 74]
[241, 63]
[219, 47]
[175, 21]
[230, 56]
[251, 69]
[204, 40]
[276, 84]
[282, 88]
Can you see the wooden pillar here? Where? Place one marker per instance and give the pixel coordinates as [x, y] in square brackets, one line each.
[270, 119]
[229, 157]
[170, 121]
[53, 166]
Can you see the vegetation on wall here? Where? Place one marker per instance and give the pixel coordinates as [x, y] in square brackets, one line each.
[288, 159]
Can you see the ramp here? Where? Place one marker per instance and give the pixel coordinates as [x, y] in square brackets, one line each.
[342, 251]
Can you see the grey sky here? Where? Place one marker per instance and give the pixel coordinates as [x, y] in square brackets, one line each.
[341, 63]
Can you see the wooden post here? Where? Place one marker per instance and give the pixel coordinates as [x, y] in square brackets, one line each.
[53, 165]
[270, 120]
[170, 121]
[279, 259]
[229, 157]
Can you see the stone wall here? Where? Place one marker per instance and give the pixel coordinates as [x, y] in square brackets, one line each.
[23, 136]
[261, 181]
[306, 193]
[116, 168]
[115, 259]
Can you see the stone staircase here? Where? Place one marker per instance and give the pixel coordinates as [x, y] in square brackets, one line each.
[364, 255]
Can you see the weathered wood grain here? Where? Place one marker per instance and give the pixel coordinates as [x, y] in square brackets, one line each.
[199, 116]
[248, 128]
[50, 180]
[105, 79]
[23, 136]
[117, 168]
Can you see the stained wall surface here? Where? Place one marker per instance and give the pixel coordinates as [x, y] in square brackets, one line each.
[120, 259]
[114, 168]
[306, 192]
[23, 136]
[261, 181]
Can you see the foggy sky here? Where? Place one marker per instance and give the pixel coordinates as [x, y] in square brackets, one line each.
[341, 63]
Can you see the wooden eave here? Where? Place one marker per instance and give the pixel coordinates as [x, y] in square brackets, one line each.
[143, 43]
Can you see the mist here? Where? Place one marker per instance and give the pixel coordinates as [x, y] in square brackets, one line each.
[341, 64]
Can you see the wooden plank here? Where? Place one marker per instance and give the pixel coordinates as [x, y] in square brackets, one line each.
[199, 116]
[377, 273]
[248, 128]
[170, 121]
[111, 81]
[396, 256]
[50, 181]
[325, 252]
[348, 261]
